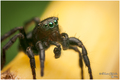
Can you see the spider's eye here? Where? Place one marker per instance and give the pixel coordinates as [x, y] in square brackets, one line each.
[55, 21]
[51, 24]
[45, 25]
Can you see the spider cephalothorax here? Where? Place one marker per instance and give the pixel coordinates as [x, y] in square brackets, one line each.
[47, 29]
[44, 34]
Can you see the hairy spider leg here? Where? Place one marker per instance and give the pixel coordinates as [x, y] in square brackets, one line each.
[66, 45]
[8, 45]
[75, 41]
[23, 41]
[29, 52]
[80, 59]
[41, 53]
[8, 34]
[36, 20]
[32, 61]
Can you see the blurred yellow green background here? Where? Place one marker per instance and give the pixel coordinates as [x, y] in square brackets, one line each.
[14, 14]
[96, 24]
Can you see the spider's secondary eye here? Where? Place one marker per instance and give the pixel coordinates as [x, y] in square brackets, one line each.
[45, 25]
[55, 21]
[51, 24]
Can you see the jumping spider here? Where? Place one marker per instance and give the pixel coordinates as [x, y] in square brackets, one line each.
[44, 34]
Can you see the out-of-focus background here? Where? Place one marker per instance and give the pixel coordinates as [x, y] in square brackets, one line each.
[95, 23]
[14, 14]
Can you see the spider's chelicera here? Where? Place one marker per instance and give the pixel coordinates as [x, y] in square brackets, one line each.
[44, 34]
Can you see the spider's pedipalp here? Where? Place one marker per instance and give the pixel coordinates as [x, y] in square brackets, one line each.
[57, 50]
[65, 41]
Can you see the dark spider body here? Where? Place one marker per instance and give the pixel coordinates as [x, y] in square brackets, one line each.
[45, 33]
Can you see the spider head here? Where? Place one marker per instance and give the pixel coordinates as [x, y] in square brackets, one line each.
[50, 27]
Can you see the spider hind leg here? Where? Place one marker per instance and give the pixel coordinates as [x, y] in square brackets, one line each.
[8, 45]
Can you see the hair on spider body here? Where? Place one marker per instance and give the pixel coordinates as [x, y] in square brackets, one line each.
[45, 33]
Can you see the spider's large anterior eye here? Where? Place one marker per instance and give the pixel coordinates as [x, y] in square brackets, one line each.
[55, 21]
[51, 24]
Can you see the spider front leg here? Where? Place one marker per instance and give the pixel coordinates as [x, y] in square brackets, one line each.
[32, 61]
[68, 42]
[77, 42]
[41, 53]
[66, 45]
[80, 59]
